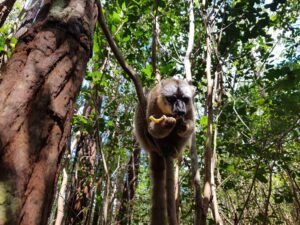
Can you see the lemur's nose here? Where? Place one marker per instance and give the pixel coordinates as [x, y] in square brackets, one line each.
[179, 108]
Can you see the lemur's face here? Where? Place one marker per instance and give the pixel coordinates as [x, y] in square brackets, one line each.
[175, 97]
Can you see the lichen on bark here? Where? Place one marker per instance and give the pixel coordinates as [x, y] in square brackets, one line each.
[8, 203]
[73, 12]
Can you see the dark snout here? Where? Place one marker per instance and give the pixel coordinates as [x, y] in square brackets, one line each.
[179, 108]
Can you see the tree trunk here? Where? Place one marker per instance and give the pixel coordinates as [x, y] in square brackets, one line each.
[5, 8]
[208, 153]
[61, 199]
[199, 219]
[177, 187]
[214, 203]
[37, 95]
[81, 192]
[129, 187]
[97, 202]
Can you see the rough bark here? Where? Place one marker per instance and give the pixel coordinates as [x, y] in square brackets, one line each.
[129, 187]
[37, 95]
[80, 198]
[81, 192]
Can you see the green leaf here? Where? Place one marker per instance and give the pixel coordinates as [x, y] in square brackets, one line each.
[113, 29]
[116, 17]
[147, 71]
[124, 5]
[110, 123]
[273, 17]
[204, 120]
[230, 168]
[126, 39]
[260, 176]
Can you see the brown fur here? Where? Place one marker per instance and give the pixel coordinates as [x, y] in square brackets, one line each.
[165, 141]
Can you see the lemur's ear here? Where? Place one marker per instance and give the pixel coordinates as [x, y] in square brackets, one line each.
[193, 88]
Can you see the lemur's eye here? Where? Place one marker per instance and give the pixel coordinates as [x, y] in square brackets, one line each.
[171, 99]
[185, 100]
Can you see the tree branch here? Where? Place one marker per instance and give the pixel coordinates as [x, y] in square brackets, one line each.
[155, 34]
[187, 62]
[248, 196]
[127, 68]
[5, 8]
[214, 204]
[208, 152]
[198, 203]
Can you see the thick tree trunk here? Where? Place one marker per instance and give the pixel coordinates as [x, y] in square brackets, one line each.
[37, 95]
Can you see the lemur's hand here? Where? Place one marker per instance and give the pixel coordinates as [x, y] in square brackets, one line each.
[164, 121]
[181, 125]
[184, 127]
